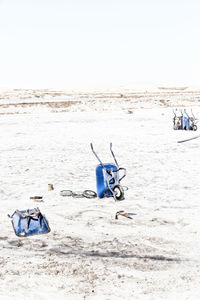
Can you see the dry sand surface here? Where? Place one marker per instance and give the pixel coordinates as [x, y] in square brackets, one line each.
[89, 254]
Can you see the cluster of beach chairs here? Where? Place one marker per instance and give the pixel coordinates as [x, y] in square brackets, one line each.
[182, 120]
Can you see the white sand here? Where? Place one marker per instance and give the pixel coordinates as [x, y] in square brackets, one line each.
[88, 254]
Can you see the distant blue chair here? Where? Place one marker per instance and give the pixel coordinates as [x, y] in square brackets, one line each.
[29, 222]
[183, 122]
[188, 127]
[107, 177]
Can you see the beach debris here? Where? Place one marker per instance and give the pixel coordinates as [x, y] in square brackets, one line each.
[37, 198]
[124, 214]
[184, 121]
[29, 222]
[89, 194]
[66, 193]
[108, 178]
[192, 138]
[85, 194]
[50, 187]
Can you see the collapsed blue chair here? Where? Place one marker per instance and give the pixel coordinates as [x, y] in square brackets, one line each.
[29, 222]
[108, 180]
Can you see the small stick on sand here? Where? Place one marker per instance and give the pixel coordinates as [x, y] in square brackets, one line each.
[122, 213]
[195, 137]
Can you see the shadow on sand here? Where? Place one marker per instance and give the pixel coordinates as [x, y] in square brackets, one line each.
[113, 254]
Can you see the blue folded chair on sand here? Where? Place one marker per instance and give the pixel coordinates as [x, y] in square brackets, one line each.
[108, 179]
[29, 222]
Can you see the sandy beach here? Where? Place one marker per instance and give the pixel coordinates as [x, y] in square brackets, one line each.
[45, 139]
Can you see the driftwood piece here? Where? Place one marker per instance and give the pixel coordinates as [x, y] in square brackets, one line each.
[37, 198]
[186, 140]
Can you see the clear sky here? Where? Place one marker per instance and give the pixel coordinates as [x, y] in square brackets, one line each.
[83, 43]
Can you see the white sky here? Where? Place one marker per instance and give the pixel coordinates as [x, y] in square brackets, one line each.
[79, 43]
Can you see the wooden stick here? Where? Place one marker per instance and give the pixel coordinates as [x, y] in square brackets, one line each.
[195, 137]
[122, 213]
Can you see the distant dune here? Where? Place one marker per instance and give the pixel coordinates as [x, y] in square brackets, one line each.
[126, 99]
[100, 92]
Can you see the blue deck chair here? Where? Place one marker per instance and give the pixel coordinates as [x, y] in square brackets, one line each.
[187, 120]
[188, 123]
[29, 222]
[183, 122]
[108, 180]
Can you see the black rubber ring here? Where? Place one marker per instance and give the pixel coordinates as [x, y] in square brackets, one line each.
[89, 194]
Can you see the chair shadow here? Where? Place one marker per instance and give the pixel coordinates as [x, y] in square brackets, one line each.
[113, 254]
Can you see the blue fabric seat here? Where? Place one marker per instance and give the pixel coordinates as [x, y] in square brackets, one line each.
[103, 178]
[29, 222]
